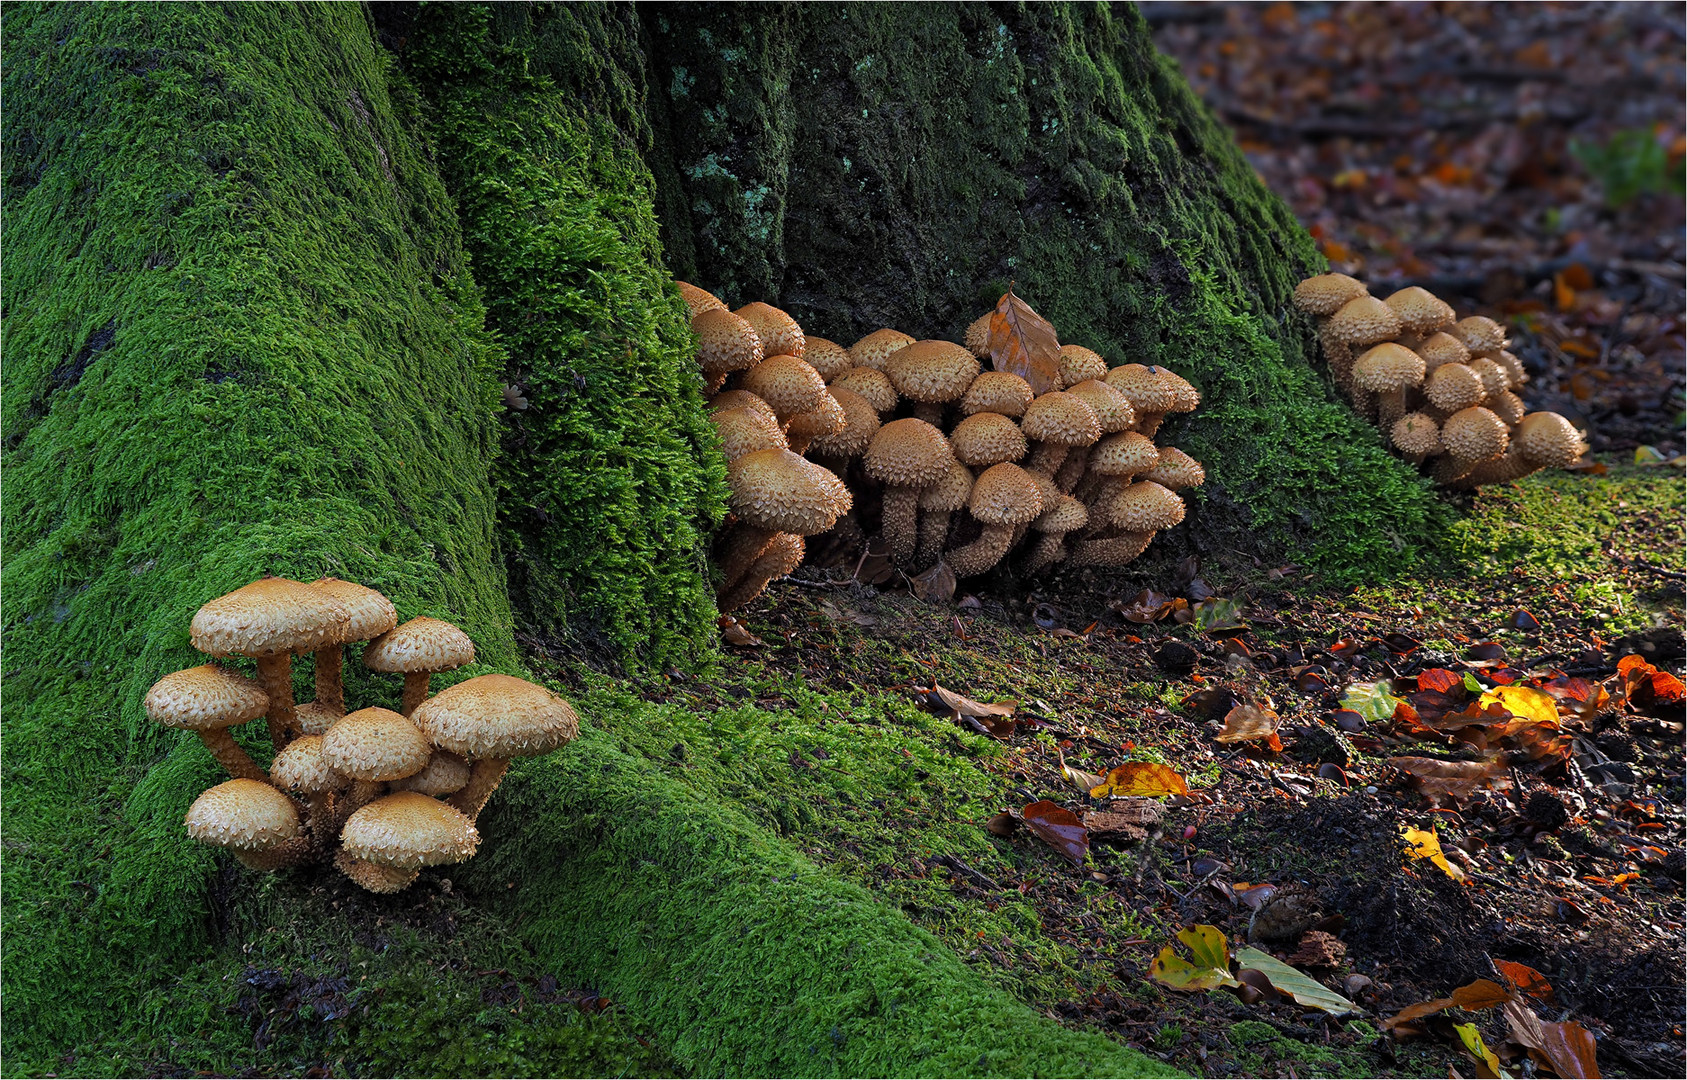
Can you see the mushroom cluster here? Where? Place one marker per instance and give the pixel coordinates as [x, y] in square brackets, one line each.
[379, 793]
[1443, 389]
[952, 462]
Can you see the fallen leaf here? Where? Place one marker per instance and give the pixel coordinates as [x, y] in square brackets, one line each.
[1079, 779]
[1247, 722]
[1523, 701]
[1140, 778]
[1148, 606]
[1219, 616]
[936, 585]
[1438, 780]
[1002, 824]
[1286, 980]
[1373, 701]
[1646, 688]
[733, 633]
[1487, 1065]
[1424, 844]
[1567, 1048]
[952, 702]
[1059, 827]
[1023, 343]
[1481, 994]
[1210, 969]
[846, 614]
[1439, 680]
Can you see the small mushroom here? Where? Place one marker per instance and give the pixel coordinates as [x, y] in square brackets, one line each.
[1114, 550]
[906, 456]
[698, 300]
[371, 747]
[744, 431]
[253, 820]
[1058, 421]
[987, 438]
[1507, 406]
[725, 343]
[1388, 371]
[1544, 440]
[208, 700]
[1152, 395]
[1176, 470]
[779, 333]
[977, 338]
[408, 830]
[787, 384]
[1078, 364]
[931, 374]
[826, 357]
[491, 719]
[861, 423]
[1112, 463]
[1065, 516]
[301, 768]
[873, 385]
[1362, 321]
[740, 399]
[371, 876]
[783, 554]
[444, 774]
[1452, 387]
[826, 418]
[1442, 348]
[873, 350]
[371, 615]
[1144, 507]
[1112, 408]
[1324, 294]
[1421, 312]
[776, 491]
[937, 502]
[1004, 497]
[998, 392]
[419, 648]
[1416, 435]
[1479, 334]
[1470, 436]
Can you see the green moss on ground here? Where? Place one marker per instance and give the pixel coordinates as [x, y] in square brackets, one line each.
[871, 165]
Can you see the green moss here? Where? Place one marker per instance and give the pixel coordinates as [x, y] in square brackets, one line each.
[872, 165]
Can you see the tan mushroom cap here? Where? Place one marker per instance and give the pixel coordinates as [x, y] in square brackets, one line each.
[1417, 434]
[1388, 368]
[1364, 320]
[371, 614]
[1324, 294]
[786, 383]
[1442, 348]
[1062, 419]
[873, 350]
[725, 342]
[1145, 507]
[1549, 440]
[998, 392]
[744, 431]
[205, 698]
[780, 335]
[1474, 435]
[908, 453]
[826, 418]
[873, 385]
[300, 767]
[422, 644]
[1513, 367]
[1452, 387]
[444, 774]
[408, 830]
[699, 300]
[977, 338]
[498, 716]
[932, 371]
[1063, 516]
[1479, 334]
[1420, 311]
[784, 492]
[244, 815]
[1185, 398]
[1078, 364]
[861, 423]
[377, 879]
[740, 399]
[1112, 408]
[269, 617]
[1005, 494]
[315, 718]
[1507, 406]
[1124, 454]
[1176, 470]
[987, 438]
[375, 744]
[950, 492]
[1144, 387]
[827, 357]
[1494, 378]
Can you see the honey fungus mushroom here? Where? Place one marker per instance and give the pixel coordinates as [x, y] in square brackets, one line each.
[1078, 364]
[725, 343]
[783, 554]
[419, 649]
[906, 456]
[699, 300]
[1058, 421]
[998, 392]
[937, 502]
[208, 700]
[931, 374]
[371, 747]
[874, 349]
[370, 615]
[301, 768]
[779, 333]
[787, 384]
[1324, 294]
[1387, 371]
[1544, 440]
[776, 491]
[1003, 498]
[491, 719]
[407, 831]
[255, 822]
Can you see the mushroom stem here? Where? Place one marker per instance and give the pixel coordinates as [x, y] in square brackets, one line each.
[320, 821]
[929, 411]
[294, 852]
[1051, 548]
[1113, 551]
[330, 688]
[275, 673]
[1340, 358]
[415, 690]
[361, 794]
[231, 756]
[934, 530]
[1047, 458]
[798, 444]
[901, 523]
[983, 553]
[373, 876]
[1071, 471]
[1391, 406]
[777, 560]
[1148, 423]
[742, 547]
[483, 781]
[1451, 467]
[713, 383]
[1511, 466]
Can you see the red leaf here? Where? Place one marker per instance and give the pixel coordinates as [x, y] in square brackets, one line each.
[1023, 343]
[1526, 979]
[1439, 679]
[1060, 828]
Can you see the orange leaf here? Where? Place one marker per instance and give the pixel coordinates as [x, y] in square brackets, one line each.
[1526, 979]
[1413, 1012]
[1577, 276]
[1567, 1047]
[1023, 343]
[1579, 349]
[1060, 827]
[1481, 994]
[1563, 294]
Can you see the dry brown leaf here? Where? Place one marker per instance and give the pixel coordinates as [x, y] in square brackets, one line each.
[965, 706]
[1441, 780]
[733, 633]
[936, 585]
[1059, 827]
[1246, 722]
[1078, 778]
[1567, 1048]
[1023, 343]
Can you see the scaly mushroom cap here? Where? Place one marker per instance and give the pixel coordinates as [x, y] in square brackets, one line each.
[1145, 507]
[784, 492]
[1479, 334]
[780, 335]
[1514, 374]
[1111, 407]
[1492, 375]
[1507, 406]
[977, 339]
[786, 383]
[371, 614]
[1474, 435]
[1549, 440]
[315, 718]
[931, 371]
[1125, 454]
[908, 453]
[1452, 387]
[377, 879]
[1420, 311]
[300, 767]
[998, 392]
[987, 438]
[699, 300]
[1062, 419]
[1387, 368]
[269, 617]
[407, 831]
[826, 418]
[1078, 364]
[949, 493]
[1364, 320]
[861, 423]
[422, 644]
[1442, 348]
[1005, 494]
[740, 399]
[827, 357]
[1416, 434]
[445, 773]
[1063, 516]
[375, 744]
[873, 386]
[873, 350]
[1325, 294]
[244, 815]
[1176, 470]
[725, 342]
[744, 431]
[1144, 387]
[1185, 398]
[498, 716]
[205, 698]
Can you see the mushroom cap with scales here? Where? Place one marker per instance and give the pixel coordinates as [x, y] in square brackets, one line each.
[1420, 311]
[987, 438]
[244, 815]
[370, 614]
[861, 422]
[408, 830]
[740, 399]
[826, 418]
[779, 333]
[784, 492]
[301, 767]
[908, 453]
[1494, 378]
[1549, 440]
[873, 385]
[376, 745]
[421, 644]
[1112, 408]
[269, 617]
[1479, 334]
[1061, 418]
[949, 493]
[725, 342]
[1078, 364]
[205, 698]
[826, 357]
[786, 383]
[1452, 387]
[873, 350]
[444, 774]
[699, 300]
[1388, 368]
[1005, 494]
[1124, 454]
[1442, 348]
[744, 431]
[1364, 320]
[1063, 516]
[1474, 434]
[1144, 387]
[498, 716]
[932, 371]
[1176, 470]
[998, 392]
[1417, 434]
[1145, 507]
[977, 337]
[1324, 294]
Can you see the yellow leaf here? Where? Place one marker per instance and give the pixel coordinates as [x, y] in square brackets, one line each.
[1424, 844]
[1487, 1065]
[1140, 778]
[1523, 701]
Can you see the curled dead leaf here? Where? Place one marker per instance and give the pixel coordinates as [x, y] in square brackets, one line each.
[1247, 722]
[1059, 828]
